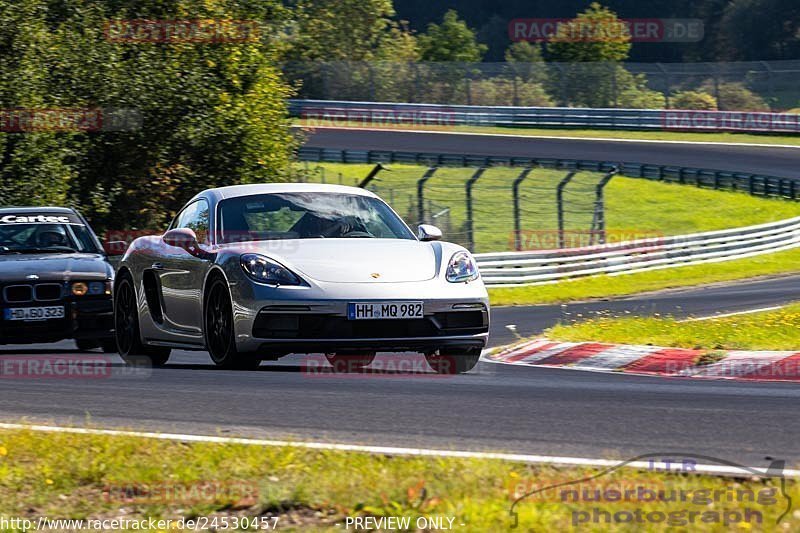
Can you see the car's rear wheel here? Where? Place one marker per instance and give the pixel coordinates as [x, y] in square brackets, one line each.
[126, 328]
[344, 362]
[454, 360]
[219, 330]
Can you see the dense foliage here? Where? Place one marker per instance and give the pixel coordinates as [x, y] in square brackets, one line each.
[205, 113]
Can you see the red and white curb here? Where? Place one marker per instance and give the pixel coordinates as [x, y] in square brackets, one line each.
[653, 360]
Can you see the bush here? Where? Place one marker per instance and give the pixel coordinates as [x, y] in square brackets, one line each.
[694, 100]
[736, 97]
[500, 92]
[640, 98]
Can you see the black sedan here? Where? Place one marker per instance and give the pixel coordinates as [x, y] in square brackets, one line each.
[55, 279]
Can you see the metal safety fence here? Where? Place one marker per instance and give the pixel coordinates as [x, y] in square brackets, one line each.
[731, 86]
[387, 114]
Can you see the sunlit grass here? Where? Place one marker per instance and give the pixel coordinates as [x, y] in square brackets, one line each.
[65, 476]
[769, 330]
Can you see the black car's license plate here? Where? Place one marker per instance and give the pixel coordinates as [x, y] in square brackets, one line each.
[384, 310]
[34, 313]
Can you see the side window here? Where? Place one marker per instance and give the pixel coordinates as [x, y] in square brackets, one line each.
[195, 218]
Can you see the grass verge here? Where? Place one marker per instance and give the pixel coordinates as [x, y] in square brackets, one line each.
[614, 286]
[717, 137]
[769, 330]
[69, 476]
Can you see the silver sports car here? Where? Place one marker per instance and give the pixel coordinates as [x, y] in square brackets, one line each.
[255, 272]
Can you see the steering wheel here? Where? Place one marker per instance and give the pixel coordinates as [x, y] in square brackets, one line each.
[358, 233]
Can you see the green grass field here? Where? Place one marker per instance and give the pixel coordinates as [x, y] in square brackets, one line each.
[635, 208]
[745, 138]
[69, 476]
[769, 330]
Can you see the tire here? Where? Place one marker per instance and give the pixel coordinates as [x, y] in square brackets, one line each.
[219, 331]
[454, 360]
[126, 329]
[84, 345]
[349, 362]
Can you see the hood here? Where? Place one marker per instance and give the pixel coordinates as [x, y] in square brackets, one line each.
[352, 260]
[54, 267]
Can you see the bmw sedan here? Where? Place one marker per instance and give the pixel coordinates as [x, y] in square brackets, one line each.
[256, 272]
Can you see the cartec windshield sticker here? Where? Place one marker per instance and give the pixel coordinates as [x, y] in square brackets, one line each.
[38, 219]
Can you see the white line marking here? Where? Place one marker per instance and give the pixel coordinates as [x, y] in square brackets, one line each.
[383, 450]
[735, 313]
[554, 137]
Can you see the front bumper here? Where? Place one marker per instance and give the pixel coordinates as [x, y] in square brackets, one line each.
[278, 321]
[87, 318]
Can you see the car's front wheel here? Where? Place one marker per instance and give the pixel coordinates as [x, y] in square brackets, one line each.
[454, 360]
[126, 328]
[219, 330]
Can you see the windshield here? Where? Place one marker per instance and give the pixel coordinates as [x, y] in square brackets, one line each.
[46, 238]
[316, 215]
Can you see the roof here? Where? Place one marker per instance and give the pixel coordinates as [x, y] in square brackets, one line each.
[271, 188]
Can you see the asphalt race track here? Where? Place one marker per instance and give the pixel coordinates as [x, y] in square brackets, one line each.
[774, 161]
[494, 408]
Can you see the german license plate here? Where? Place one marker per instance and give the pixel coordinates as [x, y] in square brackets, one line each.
[34, 313]
[384, 310]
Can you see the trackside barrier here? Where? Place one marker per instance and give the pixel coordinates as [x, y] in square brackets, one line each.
[327, 112]
[542, 267]
[755, 184]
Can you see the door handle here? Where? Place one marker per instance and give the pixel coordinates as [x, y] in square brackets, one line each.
[157, 266]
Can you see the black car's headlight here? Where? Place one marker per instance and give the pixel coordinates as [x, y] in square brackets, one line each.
[92, 288]
[265, 270]
[461, 268]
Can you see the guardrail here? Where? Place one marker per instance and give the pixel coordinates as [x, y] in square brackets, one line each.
[542, 267]
[755, 184]
[377, 113]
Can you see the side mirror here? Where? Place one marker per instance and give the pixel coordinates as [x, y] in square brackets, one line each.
[426, 232]
[183, 238]
[115, 247]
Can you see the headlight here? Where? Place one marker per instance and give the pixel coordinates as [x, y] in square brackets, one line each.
[462, 268]
[80, 288]
[92, 288]
[264, 270]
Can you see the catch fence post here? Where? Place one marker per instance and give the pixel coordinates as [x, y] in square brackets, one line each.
[560, 205]
[517, 222]
[470, 225]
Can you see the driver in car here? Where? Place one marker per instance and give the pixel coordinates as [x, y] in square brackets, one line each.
[310, 226]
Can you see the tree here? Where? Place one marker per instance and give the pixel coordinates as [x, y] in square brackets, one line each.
[525, 59]
[452, 40]
[588, 52]
[341, 30]
[596, 35]
[760, 29]
[212, 114]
